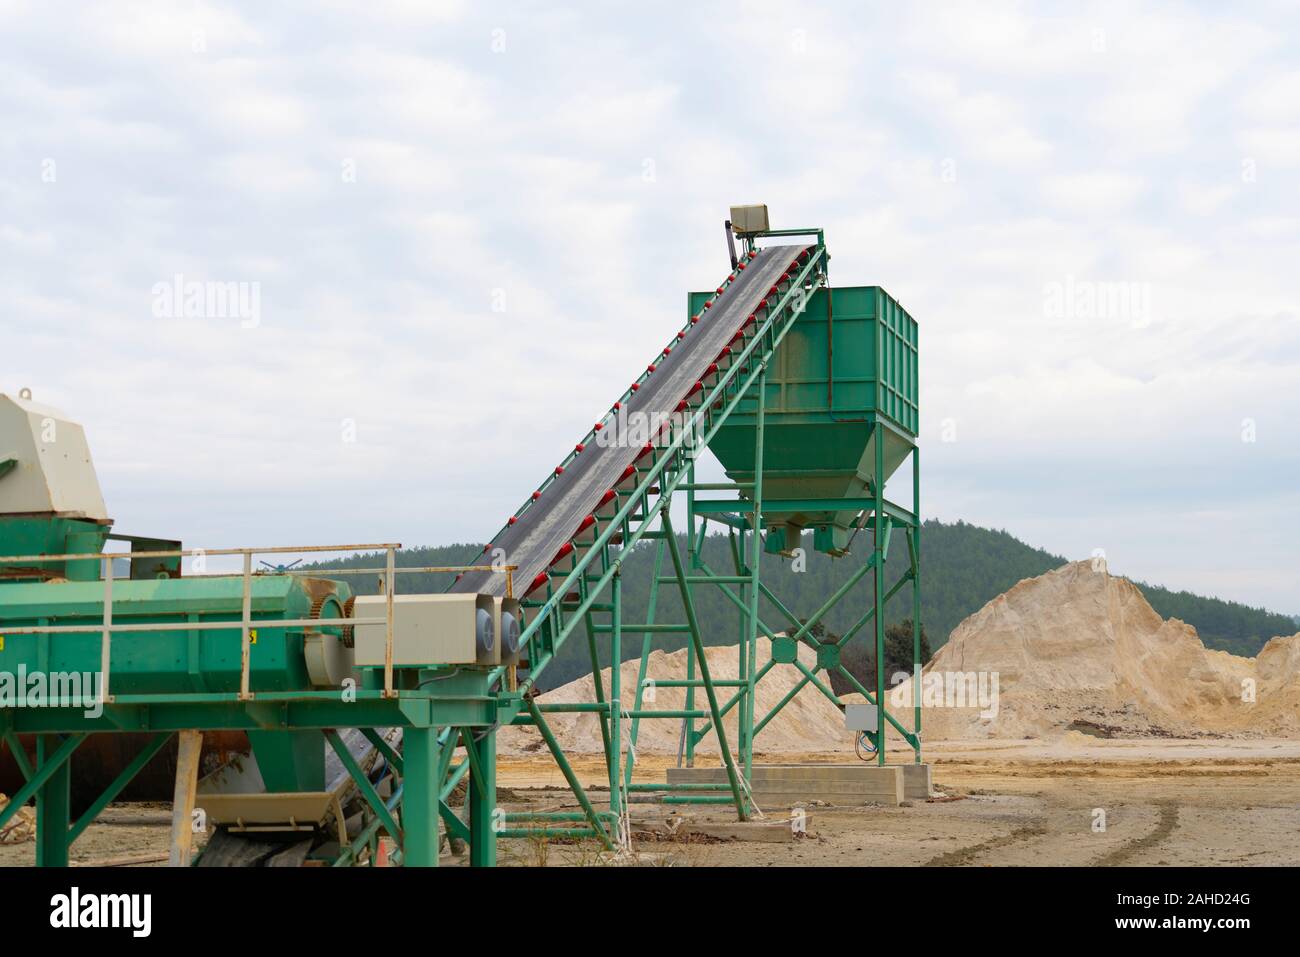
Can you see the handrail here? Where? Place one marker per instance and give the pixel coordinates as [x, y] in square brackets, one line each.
[246, 622]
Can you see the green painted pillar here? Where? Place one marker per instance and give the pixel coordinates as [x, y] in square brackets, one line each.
[53, 807]
[420, 797]
[878, 592]
[483, 800]
[916, 601]
[616, 697]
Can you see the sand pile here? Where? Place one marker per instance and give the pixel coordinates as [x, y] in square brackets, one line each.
[1077, 649]
[1073, 652]
[808, 723]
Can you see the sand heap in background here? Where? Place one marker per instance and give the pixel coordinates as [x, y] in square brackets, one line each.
[19, 828]
[808, 723]
[1074, 649]
[1077, 648]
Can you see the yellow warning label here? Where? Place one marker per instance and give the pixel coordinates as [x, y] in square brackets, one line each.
[252, 636]
[2, 642]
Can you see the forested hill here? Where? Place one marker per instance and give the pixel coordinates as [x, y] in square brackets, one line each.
[962, 567]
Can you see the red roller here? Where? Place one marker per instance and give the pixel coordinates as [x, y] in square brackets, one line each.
[645, 449]
[713, 367]
[536, 496]
[627, 474]
[698, 387]
[635, 386]
[585, 524]
[740, 265]
[559, 470]
[606, 498]
[598, 426]
[719, 290]
[668, 350]
[650, 367]
[579, 447]
[565, 551]
[538, 582]
[708, 303]
[513, 519]
[695, 318]
[617, 406]
[682, 334]
[682, 406]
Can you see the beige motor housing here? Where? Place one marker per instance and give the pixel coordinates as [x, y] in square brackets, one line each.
[447, 629]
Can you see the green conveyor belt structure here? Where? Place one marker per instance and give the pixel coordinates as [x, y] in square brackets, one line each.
[807, 395]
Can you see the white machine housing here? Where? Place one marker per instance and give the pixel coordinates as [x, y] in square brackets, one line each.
[428, 630]
[45, 465]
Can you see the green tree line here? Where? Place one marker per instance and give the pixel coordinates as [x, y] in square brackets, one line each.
[963, 566]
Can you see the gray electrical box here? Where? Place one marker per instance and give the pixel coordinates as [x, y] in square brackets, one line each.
[861, 717]
[749, 219]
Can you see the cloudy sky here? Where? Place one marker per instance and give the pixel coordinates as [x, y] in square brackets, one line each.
[469, 224]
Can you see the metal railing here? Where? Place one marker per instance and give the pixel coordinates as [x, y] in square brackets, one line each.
[246, 623]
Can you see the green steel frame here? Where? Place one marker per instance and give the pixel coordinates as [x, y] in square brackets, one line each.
[440, 718]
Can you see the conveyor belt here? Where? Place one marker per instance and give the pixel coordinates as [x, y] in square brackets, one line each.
[536, 535]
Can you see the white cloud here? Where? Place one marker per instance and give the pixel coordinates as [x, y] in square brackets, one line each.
[1102, 193]
[965, 159]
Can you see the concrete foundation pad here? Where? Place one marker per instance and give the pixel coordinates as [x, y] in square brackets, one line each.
[917, 781]
[782, 785]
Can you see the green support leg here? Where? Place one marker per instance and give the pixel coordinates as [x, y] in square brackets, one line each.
[697, 642]
[420, 787]
[750, 648]
[482, 799]
[651, 611]
[53, 808]
[914, 553]
[878, 592]
[616, 699]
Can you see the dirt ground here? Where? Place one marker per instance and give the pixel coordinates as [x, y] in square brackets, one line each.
[1175, 802]
[1165, 802]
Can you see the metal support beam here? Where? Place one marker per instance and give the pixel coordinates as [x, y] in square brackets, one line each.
[702, 662]
[418, 834]
[53, 800]
[482, 798]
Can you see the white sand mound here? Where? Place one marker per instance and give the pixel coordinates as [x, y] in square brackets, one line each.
[1078, 648]
[1073, 652]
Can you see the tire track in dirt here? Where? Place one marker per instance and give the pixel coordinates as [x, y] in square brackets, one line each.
[965, 856]
[1165, 826]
